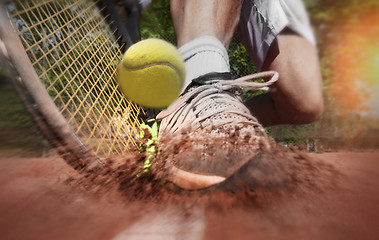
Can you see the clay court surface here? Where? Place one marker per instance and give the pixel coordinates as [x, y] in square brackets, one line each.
[43, 198]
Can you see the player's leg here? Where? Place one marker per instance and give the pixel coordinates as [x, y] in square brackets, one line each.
[297, 97]
[204, 30]
[194, 18]
[215, 130]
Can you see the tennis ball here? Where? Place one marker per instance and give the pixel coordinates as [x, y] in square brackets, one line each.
[152, 73]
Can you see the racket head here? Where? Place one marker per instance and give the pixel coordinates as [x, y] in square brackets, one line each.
[67, 58]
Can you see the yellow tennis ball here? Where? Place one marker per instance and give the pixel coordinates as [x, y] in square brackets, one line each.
[152, 73]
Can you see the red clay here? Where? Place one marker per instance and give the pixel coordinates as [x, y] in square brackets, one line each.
[43, 198]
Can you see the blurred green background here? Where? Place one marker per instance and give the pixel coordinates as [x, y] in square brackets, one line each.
[18, 134]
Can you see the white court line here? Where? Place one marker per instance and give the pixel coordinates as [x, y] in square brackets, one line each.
[170, 224]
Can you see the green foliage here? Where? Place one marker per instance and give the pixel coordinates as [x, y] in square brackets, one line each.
[240, 63]
[12, 113]
[149, 137]
[18, 134]
[156, 22]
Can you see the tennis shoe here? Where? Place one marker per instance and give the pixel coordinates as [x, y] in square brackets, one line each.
[208, 134]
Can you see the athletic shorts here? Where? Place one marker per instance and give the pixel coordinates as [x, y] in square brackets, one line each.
[262, 20]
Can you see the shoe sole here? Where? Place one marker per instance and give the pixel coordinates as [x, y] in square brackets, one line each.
[255, 173]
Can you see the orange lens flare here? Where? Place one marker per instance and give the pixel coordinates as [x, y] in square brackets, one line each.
[356, 63]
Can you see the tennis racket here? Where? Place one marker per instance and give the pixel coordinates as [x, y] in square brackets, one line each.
[65, 57]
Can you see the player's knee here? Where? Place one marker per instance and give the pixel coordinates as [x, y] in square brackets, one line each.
[309, 103]
[314, 112]
[305, 108]
[310, 110]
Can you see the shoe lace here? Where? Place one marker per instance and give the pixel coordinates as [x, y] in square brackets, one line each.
[188, 110]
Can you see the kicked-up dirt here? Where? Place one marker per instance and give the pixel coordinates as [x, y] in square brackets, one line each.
[330, 196]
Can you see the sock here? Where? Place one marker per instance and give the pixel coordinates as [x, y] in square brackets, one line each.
[204, 55]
